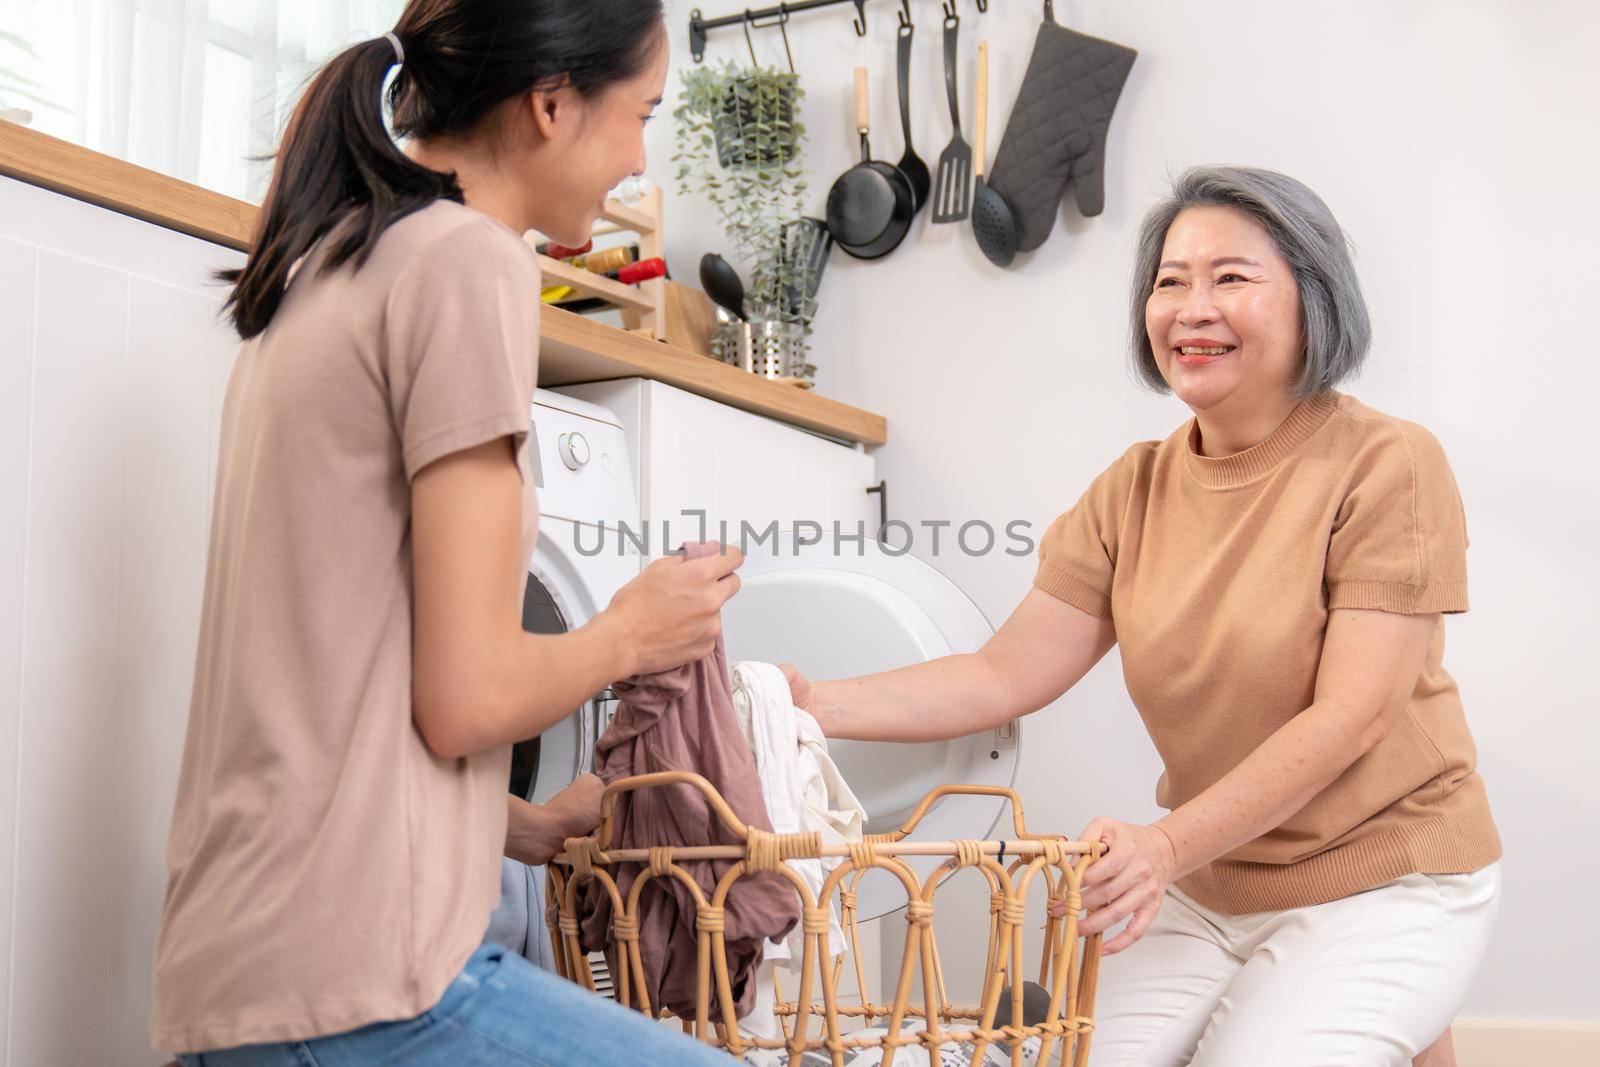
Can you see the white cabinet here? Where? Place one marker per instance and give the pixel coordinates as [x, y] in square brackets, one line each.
[112, 364]
[691, 454]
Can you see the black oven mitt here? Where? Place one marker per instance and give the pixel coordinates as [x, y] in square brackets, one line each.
[1057, 131]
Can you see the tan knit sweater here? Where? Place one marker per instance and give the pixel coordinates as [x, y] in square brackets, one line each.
[1219, 574]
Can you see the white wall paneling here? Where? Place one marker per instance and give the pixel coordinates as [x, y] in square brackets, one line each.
[18, 275]
[112, 358]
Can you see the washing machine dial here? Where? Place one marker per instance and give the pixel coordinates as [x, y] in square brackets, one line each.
[574, 448]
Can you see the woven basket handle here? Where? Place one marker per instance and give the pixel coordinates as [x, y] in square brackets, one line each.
[663, 778]
[1017, 824]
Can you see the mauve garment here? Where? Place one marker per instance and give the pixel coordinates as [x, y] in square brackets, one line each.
[683, 720]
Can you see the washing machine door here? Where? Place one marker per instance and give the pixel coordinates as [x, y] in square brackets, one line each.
[840, 614]
[558, 599]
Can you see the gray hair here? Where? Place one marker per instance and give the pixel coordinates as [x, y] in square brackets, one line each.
[1333, 315]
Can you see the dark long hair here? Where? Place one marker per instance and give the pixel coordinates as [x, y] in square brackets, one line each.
[462, 59]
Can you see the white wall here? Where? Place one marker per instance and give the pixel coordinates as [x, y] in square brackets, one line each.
[112, 367]
[1457, 144]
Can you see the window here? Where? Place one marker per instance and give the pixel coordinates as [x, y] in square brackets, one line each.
[198, 89]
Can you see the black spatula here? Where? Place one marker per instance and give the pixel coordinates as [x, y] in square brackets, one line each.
[952, 192]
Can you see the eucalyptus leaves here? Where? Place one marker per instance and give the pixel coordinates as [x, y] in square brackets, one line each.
[739, 141]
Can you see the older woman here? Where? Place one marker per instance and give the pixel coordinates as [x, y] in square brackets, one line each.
[1276, 573]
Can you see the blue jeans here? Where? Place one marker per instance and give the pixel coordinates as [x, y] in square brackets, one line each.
[500, 1009]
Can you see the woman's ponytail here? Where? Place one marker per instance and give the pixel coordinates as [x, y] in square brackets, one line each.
[461, 58]
[336, 160]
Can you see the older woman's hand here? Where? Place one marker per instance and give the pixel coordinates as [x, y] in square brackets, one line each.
[1130, 879]
[803, 693]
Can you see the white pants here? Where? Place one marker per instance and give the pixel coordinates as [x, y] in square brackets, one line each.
[1368, 980]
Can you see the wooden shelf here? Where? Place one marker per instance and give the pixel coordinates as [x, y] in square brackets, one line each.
[578, 349]
[588, 283]
[573, 348]
[627, 218]
[66, 168]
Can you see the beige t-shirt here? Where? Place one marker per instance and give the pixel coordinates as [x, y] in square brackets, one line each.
[326, 870]
[1219, 574]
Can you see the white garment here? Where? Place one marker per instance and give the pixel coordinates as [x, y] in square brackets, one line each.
[801, 784]
[1368, 980]
[804, 791]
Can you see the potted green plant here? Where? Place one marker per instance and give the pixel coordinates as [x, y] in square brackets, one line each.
[739, 141]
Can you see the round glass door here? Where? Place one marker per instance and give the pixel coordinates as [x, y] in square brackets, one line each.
[540, 615]
[542, 766]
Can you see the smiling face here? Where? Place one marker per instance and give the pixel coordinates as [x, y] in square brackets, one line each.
[1223, 315]
[587, 146]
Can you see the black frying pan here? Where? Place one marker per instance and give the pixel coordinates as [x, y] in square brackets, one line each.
[871, 205]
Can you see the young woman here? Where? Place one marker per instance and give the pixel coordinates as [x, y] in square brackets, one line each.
[1276, 574]
[362, 670]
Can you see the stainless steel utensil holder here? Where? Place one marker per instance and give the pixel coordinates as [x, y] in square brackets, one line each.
[776, 349]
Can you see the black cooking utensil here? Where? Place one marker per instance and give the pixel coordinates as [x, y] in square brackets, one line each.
[952, 195]
[871, 205]
[861, 201]
[911, 165]
[992, 219]
[722, 284]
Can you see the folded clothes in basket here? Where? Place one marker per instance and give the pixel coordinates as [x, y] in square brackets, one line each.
[804, 792]
[683, 720]
[800, 783]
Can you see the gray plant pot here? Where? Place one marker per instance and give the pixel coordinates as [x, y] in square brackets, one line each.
[737, 114]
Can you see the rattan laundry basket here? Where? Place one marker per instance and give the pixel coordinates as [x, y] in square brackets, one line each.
[815, 1021]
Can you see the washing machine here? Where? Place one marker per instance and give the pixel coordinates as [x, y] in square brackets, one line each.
[579, 459]
[580, 462]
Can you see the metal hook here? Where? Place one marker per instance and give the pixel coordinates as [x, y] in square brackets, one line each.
[781, 21]
[983, 9]
[1049, 10]
[951, 12]
[861, 18]
[783, 30]
[748, 43]
[905, 14]
[697, 35]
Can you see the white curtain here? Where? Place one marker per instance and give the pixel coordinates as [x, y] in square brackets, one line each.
[198, 89]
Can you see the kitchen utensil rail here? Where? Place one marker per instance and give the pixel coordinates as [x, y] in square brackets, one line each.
[700, 27]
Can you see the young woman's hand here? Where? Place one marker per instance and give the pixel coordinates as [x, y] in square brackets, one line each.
[672, 613]
[535, 833]
[577, 807]
[1130, 879]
